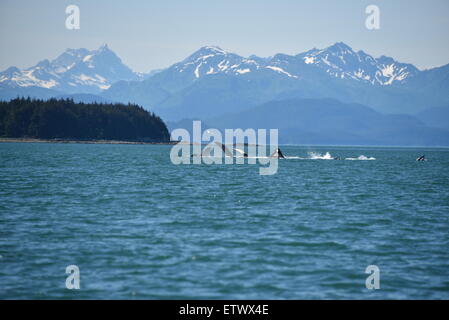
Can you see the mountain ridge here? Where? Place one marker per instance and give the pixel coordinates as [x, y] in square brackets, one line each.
[329, 121]
[212, 81]
[334, 72]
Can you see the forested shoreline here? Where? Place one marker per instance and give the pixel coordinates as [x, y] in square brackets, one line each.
[65, 119]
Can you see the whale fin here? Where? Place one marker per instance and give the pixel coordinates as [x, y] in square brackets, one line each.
[277, 154]
[225, 149]
[243, 153]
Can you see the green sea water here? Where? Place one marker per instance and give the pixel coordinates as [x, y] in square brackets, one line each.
[139, 227]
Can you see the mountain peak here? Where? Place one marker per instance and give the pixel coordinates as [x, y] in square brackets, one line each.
[43, 63]
[213, 49]
[385, 59]
[207, 51]
[104, 48]
[11, 70]
[339, 46]
[341, 61]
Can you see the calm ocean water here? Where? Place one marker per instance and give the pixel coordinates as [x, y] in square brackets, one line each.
[138, 226]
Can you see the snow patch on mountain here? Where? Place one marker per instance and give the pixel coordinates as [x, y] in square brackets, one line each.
[242, 71]
[280, 70]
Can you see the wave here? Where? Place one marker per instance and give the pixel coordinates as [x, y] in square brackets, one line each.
[361, 157]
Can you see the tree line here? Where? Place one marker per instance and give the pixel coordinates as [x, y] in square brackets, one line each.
[65, 119]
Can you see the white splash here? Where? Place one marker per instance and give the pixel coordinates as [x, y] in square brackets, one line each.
[316, 155]
[361, 157]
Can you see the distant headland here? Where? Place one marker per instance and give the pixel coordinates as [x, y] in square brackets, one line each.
[63, 120]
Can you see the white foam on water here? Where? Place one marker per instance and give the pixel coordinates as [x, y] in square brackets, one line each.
[319, 156]
[361, 157]
[311, 156]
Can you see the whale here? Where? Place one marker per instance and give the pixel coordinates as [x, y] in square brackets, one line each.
[421, 158]
[277, 154]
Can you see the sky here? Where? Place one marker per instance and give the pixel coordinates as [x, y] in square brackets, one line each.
[149, 34]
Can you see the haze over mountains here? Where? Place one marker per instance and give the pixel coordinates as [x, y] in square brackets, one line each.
[223, 88]
[313, 121]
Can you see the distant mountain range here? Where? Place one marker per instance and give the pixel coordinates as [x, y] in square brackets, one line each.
[213, 83]
[74, 71]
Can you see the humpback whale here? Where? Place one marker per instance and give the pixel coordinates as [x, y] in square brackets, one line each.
[227, 152]
[243, 153]
[277, 154]
[205, 153]
[421, 158]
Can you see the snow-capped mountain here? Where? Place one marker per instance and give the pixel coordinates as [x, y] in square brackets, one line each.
[338, 61]
[75, 70]
[213, 81]
[211, 60]
[85, 71]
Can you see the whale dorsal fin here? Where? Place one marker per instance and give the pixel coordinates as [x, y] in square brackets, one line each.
[277, 154]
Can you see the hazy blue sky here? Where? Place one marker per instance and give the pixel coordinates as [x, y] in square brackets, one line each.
[153, 34]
